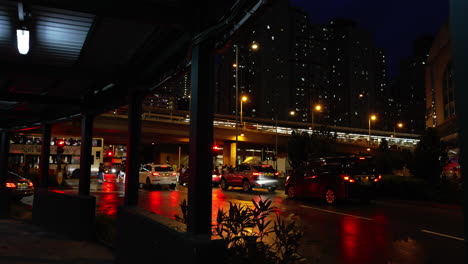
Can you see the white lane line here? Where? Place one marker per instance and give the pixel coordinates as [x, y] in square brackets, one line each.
[333, 212]
[443, 235]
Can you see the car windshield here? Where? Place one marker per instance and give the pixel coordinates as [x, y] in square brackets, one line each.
[264, 168]
[163, 168]
[14, 176]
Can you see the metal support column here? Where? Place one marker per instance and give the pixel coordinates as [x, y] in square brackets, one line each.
[86, 153]
[459, 34]
[133, 149]
[201, 139]
[4, 150]
[44, 158]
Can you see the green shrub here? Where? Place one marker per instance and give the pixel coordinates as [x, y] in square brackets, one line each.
[252, 237]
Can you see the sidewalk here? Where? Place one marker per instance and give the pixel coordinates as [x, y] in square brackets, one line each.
[23, 243]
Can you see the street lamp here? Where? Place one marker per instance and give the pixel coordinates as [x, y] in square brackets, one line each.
[254, 46]
[371, 118]
[399, 125]
[243, 99]
[317, 108]
[292, 113]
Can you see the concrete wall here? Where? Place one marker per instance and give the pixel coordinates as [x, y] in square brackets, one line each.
[144, 237]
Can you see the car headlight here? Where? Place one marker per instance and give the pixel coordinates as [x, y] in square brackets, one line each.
[113, 170]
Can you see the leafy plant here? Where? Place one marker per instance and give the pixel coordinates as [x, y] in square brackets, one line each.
[247, 231]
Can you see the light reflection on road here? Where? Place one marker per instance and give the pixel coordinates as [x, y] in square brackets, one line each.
[332, 237]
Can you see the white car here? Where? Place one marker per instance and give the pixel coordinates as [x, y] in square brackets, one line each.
[157, 175]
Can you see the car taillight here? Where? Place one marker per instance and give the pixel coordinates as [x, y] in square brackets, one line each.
[10, 185]
[256, 174]
[347, 178]
[174, 174]
[155, 173]
[30, 184]
[378, 178]
[276, 173]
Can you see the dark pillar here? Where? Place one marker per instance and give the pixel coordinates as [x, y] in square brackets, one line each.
[4, 150]
[44, 159]
[459, 35]
[133, 149]
[201, 139]
[85, 153]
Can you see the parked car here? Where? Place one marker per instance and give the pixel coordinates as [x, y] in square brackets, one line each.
[157, 175]
[250, 176]
[335, 178]
[16, 186]
[184, 178]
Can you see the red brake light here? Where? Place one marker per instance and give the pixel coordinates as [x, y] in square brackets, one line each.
[347, 178]
[10, 185]
[30, 184]
[276, 173]
[155, 173]
[378, 178]
[362, 158]
[174, 174]
[256, 174]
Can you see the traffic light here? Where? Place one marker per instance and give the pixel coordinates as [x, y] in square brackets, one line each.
[216, 150]
[60, 145]
[109, 153]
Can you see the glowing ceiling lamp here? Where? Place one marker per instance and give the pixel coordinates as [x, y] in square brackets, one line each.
[22, 36]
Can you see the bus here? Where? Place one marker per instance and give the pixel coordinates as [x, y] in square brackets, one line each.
[25, 152]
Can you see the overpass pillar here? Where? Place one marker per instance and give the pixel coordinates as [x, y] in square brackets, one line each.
[85, 153]
[201, 137]
[133, 149]
[228, 158]
[4, 150]
[44, 158]
[234, 152]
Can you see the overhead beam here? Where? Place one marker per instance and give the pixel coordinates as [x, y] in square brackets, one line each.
[39, 99]
[175, 15]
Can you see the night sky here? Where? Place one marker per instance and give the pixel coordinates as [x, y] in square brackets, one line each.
[395, 23]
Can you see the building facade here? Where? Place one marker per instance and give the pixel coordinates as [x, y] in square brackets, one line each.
[440, 103]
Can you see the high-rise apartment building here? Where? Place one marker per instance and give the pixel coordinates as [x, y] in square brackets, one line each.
[410, 87]
[352, 66]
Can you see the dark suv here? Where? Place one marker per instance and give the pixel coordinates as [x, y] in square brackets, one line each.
[335, 178]
[250, 176]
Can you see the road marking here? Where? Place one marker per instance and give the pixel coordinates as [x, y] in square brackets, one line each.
[333, 212]
[443, 235]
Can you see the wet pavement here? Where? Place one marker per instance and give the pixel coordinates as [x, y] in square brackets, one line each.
[384, 231]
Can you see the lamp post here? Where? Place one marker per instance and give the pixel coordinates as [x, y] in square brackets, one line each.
[399, 125]
[371, 118]
[317, 108]
[254, 46]
[243, 99]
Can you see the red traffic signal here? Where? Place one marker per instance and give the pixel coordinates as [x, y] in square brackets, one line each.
[109, 153]
[60, 145]
[216, 150]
